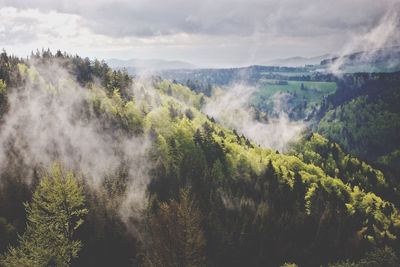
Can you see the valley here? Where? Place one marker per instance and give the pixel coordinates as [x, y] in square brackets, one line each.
[190, 133]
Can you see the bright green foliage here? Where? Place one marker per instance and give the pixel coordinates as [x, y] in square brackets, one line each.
[180, 92]
[316, 191]
[317, 150]
[56, 211]
[3, 98]
[254, 206]
[2, 87]
[116, 111]
[287, 264]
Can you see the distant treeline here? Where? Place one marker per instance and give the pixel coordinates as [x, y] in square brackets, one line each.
[250, 75]
[213, 198]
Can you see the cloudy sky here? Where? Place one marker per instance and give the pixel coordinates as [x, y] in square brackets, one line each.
[206, 33]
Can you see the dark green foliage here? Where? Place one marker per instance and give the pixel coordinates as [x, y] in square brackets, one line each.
[176, 235]
[206, 78]
[7, 233]
[8, 69]
[13, 193]
[379, 258]
[9, 77]
[199, 87]
[106, 238]
[363, 116]
[253, 206]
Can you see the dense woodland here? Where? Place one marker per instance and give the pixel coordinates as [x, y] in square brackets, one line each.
[363, 116]
[214, 198]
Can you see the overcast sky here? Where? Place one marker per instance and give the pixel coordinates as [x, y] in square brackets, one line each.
[204, 32]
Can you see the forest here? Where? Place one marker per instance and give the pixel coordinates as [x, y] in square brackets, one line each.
[101, 168]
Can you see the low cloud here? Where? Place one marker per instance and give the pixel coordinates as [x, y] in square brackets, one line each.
[385, 34]
[50, 119]
[232, 109]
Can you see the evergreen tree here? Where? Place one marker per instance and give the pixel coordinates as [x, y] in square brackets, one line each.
[177, 238]
[56, 211]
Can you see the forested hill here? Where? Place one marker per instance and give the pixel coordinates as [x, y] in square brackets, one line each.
[363, 116]
[385, 59]
[119, 171]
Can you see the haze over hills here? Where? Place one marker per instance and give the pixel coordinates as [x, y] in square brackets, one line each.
[162, 64]
[149, 64]
[378, 60]
[385, 59]
[318, 68]
[298, 61]
[224, 169]
[278, 147]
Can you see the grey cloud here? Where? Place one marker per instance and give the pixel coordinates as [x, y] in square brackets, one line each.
[18, 30]
[209, 33]
[150, 18]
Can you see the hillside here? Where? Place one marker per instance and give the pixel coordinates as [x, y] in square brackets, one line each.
[303, 87]
[352, 109]
[385, 59]
[164, 184]
[363, 116]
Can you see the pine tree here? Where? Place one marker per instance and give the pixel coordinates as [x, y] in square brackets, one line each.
[177, 238]
[56, 211]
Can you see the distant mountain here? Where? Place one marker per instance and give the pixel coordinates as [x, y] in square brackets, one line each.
[379, 60]
[298, 61]
[149, 64]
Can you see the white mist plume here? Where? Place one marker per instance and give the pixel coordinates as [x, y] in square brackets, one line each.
[49, 120]
[231, 108]
[384, 35]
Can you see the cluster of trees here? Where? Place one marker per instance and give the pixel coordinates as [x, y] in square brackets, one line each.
[199, 87]
[215, 198]
[175, 234]
[315, 149]
[363, 116]
[54, 214]
[85, 70]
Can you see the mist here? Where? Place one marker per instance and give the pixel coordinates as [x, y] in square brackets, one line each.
[50, 119]
[385, 34]
[232, 109]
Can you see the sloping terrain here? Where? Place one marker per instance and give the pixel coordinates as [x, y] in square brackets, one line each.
[148, 160]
